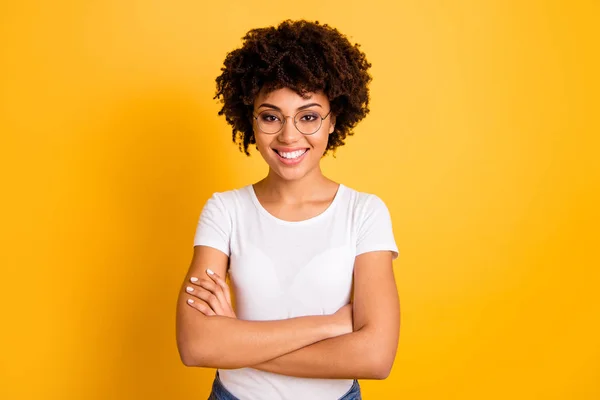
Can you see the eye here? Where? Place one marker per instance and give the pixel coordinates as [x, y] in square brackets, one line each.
[309, 117]
[268, 117]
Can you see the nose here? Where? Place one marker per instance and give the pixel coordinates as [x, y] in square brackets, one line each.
[289, 133]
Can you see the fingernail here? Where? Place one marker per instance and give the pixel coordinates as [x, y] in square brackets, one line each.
[189, 289]
[194, 279]
[190, 301]
[210, 272]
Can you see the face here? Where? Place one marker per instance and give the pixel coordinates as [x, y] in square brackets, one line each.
[291, 154]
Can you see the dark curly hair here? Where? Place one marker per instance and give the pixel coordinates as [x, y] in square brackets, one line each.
[300, 55]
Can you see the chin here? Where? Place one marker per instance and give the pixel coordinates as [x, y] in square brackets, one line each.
[290, 174]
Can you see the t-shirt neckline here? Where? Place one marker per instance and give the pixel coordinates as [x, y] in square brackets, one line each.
[316, 218]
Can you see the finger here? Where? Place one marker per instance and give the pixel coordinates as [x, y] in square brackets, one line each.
[221, 282]
[208, 297]
[209, 284]
[214, 287]
[205, 283]
[200, 306]
[194, 282]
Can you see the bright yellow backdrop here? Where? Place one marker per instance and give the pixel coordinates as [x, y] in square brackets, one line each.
[482, 140]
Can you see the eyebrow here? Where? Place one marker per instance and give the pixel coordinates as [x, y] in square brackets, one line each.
[267, 105]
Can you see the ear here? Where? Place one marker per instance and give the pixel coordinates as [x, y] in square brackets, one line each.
[331, 124]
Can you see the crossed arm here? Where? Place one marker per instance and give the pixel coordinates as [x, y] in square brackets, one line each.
[357, 342]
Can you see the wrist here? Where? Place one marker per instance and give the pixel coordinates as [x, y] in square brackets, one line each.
[331, 325]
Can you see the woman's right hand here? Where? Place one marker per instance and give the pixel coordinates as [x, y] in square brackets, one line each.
[212, 295]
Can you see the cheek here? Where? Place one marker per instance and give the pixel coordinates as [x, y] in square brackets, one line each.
[320, 142]
[258, 141]
[262, 144]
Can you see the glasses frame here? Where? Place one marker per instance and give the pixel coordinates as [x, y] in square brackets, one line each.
[285, 117]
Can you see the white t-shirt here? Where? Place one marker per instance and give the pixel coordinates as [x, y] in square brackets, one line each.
[281, 269]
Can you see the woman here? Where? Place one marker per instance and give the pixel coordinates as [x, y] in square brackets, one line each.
[296, 245]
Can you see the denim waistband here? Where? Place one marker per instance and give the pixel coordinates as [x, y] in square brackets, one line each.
[219, 392]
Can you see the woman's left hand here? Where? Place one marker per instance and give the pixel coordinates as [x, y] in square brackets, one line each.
[214, 293]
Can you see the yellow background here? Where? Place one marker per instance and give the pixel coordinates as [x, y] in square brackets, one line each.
[482, 140]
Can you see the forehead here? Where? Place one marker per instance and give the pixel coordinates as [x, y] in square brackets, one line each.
[286, 98]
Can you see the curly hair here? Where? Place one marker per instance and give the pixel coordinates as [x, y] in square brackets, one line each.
[302, 56]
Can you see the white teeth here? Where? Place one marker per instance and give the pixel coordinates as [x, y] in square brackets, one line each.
[293, 154]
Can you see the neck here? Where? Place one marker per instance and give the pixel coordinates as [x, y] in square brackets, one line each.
[309, 186]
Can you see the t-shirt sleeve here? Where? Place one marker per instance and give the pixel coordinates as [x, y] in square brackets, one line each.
[375, 228]
[214, 226]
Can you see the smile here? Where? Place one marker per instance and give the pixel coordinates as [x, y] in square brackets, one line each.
[292, 157]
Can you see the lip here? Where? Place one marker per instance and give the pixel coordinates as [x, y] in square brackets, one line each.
[289, 149]
[287, 161]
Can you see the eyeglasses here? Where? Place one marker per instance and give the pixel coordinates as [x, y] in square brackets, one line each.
[307, 122]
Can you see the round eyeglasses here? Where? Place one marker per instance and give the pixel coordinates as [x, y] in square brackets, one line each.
[307, 122]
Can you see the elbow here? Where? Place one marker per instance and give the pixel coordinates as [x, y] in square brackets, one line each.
[379, 366]
[191, 358]
[188, 359]
[187, 355]
[204, 356]
[382, 353]
[381, 370]
[192, 355]
[193, 348]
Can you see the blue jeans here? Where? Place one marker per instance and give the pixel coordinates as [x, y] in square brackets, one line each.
[220, 393]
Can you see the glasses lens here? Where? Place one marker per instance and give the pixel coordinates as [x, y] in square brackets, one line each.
[308, 122]
[270, 121]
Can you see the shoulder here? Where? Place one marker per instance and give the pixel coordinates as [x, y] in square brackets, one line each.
[363, 203]
[373, 223]
[233, 195]
[232, 200]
